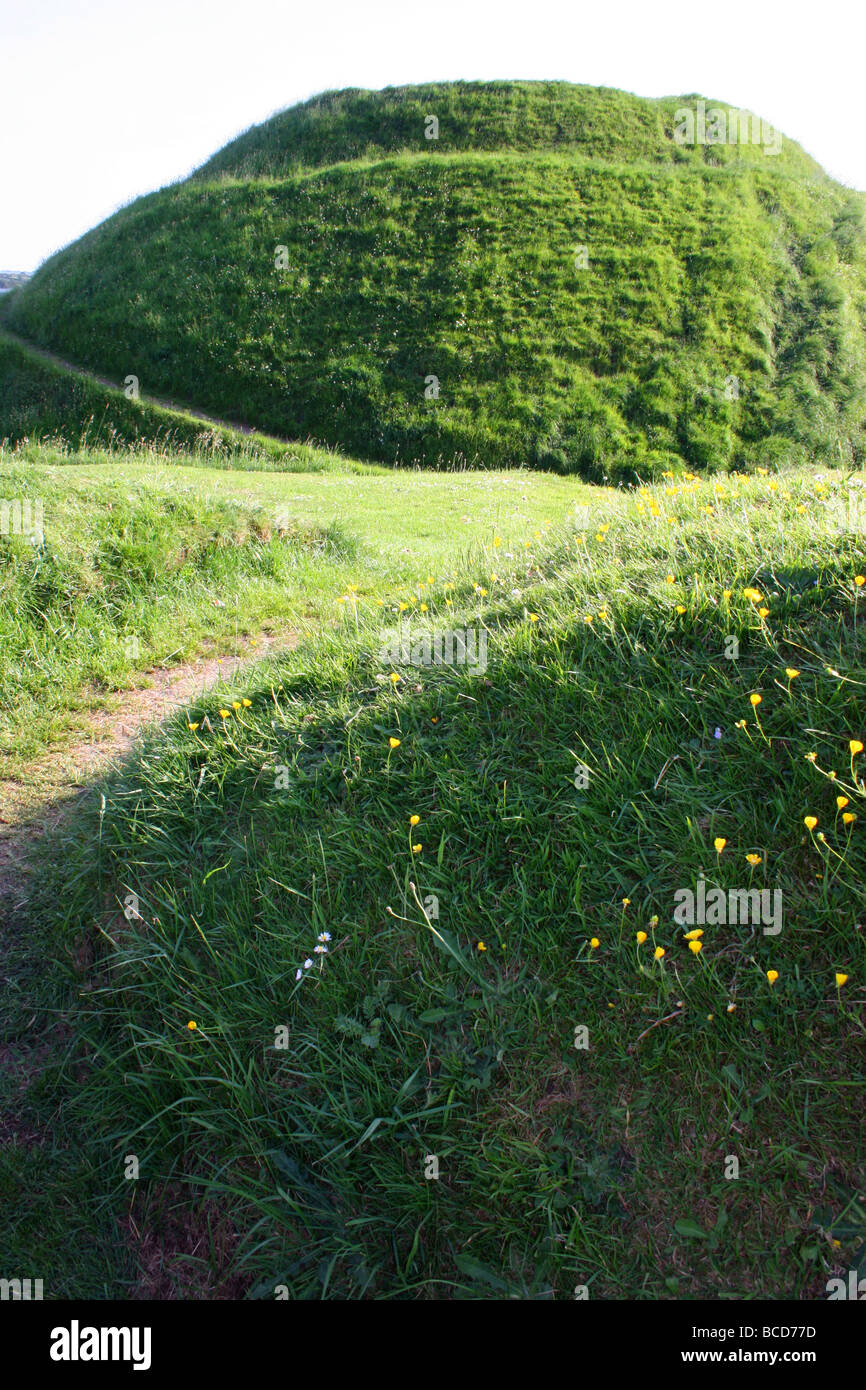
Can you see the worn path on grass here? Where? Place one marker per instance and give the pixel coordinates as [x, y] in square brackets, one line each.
[34, 1031]
[174, 407]
[54, 784]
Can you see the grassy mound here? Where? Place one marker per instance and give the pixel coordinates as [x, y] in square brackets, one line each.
[554, 282]
[416, 1111]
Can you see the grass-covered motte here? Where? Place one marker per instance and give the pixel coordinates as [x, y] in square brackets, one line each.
[553, 282]
[548, 809]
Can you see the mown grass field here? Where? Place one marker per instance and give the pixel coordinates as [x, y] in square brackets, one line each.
[610, 752]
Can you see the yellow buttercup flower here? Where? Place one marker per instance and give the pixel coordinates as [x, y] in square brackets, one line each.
[413, 820]
[192, 1026]
[763, 612]
[416, 849]
[719, 843]
[658, 953]
[394, 677]
[754, 595]
[810, 822]
[246, 703]
[860, 580]
[841, 801]
[791, 672]
[681, 608]
[641, 938]
[192, 726]
[236, 704]
[393, 743]
[696, 947]
[225, 714]
[848, 817]
[755, 699]
[772, 976]
[840, 979]
[479, 946]
[753, 859]
[595, 943]
[856, 746]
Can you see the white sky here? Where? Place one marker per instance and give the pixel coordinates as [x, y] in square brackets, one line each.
[101, 100]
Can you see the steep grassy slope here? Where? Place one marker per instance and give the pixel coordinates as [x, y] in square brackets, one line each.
[432, 304]
[288, 1124]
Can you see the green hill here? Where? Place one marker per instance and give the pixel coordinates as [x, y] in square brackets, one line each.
[555, 280]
